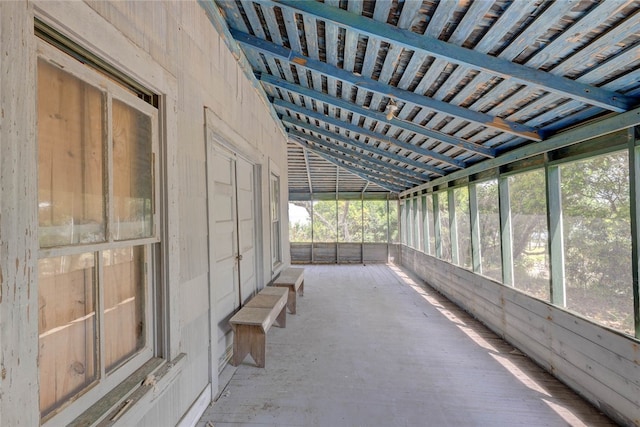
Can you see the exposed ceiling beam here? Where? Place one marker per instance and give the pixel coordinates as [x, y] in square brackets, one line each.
[399, 95]
[278, 103]
[400, 124]
[306, 164]
[390, 187]
[592, 130]
[506, 69]
[400, 170]
[361, 145]
[355, 164]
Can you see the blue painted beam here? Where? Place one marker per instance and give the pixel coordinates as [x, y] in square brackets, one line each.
[361, 145]
[506, 69]
[355, 163]
[220, 25]
[564, 139]
[401, 95]
[367, 177]
[401, 124]
[415, 177]
[374, 135]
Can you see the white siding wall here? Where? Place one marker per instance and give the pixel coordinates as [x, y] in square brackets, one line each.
[174, 50]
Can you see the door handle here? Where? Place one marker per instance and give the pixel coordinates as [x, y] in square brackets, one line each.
[239, 257]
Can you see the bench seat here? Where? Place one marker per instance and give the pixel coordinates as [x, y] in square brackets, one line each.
[292, 279]
[251, 323]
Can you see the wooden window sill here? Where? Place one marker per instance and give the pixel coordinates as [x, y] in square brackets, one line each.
[127, 403]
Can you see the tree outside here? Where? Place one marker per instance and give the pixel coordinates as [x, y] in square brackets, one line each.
[597, 239]
[530, 251]
[345, 221]
[489, 219]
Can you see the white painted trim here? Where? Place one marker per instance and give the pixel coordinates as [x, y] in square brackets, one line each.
[196, 410]
[226, 136]
[84, 26]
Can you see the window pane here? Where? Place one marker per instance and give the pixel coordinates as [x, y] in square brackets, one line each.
[275, 198]
[275, 220]
[445, 232]
[430, 224]
[529, 224]
[300, 222]
[132, 173]
[597, 239]
[350, 221]
[275, 243]
[489, 217]
[67, 327]
[70, 159]
[393, 221]
[124, 323]
[324, 221]
[463, 223]
[375, 221]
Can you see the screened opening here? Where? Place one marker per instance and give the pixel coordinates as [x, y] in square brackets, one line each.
[527, 192]
[597, 239]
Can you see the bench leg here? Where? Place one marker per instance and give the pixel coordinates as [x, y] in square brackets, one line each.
[291, 300]
[301, 289]
[281, 320]
[248, 339]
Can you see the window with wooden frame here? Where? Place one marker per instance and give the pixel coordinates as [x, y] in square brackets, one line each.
[276, 244]
[98, 232]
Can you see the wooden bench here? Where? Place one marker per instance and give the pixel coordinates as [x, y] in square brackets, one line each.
[293, 279]
[251, 323]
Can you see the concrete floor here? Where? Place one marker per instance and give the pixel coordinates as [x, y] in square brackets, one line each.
[371, 347]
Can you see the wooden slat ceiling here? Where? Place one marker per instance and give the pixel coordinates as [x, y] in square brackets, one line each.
[396, 93]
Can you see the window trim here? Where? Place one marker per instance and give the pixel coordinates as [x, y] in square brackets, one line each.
[106, 382]
[276, 259]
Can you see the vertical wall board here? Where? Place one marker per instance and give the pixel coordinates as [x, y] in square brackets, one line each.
[598, 363]
[164, 412]
[192, 195]
[193, 305]
[193, 377]
[19, 402]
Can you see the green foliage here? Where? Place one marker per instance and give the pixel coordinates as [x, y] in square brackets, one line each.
[597, 229]
[343, 221]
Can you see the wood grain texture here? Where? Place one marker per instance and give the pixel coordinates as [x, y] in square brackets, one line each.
[425, 362]
[251, 324]
[18, 220]
[293, 280]
[598, 363]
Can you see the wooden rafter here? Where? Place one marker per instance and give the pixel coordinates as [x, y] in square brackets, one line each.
[499, 67]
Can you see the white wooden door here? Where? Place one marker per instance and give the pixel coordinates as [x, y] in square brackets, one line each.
[246, 228]
[231, 241]
[223, 242]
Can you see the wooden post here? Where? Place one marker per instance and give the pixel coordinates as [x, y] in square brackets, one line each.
[475, 229]
[19, 221]
[634, 188]
[453, 228]
[556, 238]
[505, 231]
